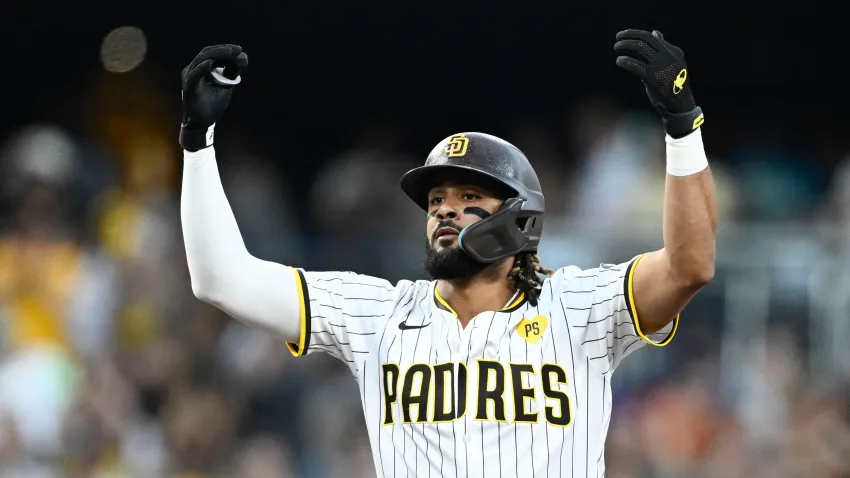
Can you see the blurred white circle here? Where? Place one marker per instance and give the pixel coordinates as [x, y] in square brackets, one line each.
[123, 49]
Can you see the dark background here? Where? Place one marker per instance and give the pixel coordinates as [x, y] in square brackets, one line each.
[759, 69]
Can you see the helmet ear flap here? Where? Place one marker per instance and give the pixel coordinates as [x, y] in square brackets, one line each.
[531, 227]
[497, 236]
[525, 223]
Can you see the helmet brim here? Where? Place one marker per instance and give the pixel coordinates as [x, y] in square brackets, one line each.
[418, 182]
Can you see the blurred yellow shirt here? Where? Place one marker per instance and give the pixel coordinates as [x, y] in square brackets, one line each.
[36, 282]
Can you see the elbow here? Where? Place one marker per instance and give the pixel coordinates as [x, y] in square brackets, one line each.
[703, 277]
[210, 295]
[697, 276]
[204, 288]
[212, 276]
[693, 271]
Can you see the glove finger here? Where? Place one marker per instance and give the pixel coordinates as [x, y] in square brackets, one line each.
[633, 66]
[242, 60]
[636, 48]
[232, 69]
[219, 53]
[641, 35]
[216, 52]
[671, 48]
[194, 75]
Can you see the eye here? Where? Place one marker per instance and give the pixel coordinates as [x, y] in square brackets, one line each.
[470, 196]
[435, 201]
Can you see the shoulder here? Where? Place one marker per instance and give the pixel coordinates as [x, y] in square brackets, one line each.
[415, 290]
[346, 278]
[597, 283]
[347, 283]
[574, 276]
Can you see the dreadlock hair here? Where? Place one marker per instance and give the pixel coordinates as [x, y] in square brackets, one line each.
[526, 275]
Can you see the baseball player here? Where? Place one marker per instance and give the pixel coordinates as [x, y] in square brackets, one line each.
[498, 366]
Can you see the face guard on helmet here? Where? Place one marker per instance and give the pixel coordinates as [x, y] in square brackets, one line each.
[517, 225]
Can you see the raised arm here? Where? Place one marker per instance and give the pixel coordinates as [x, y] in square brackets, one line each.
[661, 283]
[666, 280]
[339, 313]
[223, 272]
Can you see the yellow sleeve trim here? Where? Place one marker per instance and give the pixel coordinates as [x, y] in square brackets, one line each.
[300, 348]
[630, 305]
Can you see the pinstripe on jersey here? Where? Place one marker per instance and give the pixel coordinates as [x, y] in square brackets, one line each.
[521, 392]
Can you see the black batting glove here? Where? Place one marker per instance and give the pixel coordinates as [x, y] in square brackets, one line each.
[207, 85]
[662, 68]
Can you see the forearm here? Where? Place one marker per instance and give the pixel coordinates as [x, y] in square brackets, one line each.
[690, 212]
[223, 272]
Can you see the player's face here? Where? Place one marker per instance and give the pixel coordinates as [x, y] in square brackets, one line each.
[450, 209]
[453, 207]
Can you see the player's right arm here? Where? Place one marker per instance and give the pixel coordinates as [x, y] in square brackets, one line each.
[223, 272]
[330, 310]
[311, 311]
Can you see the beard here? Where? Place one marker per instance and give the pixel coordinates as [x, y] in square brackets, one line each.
[450, 263]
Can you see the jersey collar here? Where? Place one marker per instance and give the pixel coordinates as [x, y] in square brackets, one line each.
[516, 301]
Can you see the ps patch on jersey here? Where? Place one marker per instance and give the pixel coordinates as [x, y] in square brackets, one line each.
[532, 329]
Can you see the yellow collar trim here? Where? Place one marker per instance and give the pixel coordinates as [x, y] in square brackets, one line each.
[518, 300]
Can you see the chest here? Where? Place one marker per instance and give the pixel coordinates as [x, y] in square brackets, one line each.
[526, 335]
[502, 366]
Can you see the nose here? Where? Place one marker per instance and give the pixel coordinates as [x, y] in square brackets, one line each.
[447, 210]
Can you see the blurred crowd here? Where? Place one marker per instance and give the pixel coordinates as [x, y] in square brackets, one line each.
[109, 367]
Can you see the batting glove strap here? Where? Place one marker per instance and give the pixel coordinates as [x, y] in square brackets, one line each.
[683, 124]
[194, 138]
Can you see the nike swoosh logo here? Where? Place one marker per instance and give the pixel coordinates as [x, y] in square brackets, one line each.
[404, 326]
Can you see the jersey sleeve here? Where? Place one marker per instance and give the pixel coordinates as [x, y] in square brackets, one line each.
[340, 313]
[613, 329]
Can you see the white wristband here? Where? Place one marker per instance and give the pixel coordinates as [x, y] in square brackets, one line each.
[200, 156]
[686, 156]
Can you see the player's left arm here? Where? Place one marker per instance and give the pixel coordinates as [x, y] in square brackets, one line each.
[664, 281]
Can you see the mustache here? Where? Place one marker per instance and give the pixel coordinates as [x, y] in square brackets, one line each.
[443, 224]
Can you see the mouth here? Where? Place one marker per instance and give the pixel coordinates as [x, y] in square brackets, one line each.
[445, 232]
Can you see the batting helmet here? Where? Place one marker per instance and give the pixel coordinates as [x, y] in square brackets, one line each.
[517, 225]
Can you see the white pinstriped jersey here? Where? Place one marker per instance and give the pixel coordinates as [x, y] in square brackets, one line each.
[521, 392]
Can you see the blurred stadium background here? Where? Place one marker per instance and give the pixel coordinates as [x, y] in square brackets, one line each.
[110, 368]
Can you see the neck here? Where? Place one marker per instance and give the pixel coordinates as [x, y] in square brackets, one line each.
[488, 291]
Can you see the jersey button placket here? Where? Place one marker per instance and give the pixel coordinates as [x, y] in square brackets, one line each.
[456, 337]
[467, 352]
